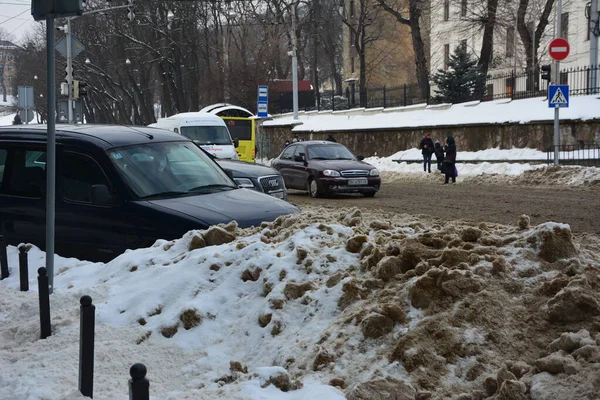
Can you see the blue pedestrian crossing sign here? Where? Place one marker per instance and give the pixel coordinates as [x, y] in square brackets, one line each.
[558, 96]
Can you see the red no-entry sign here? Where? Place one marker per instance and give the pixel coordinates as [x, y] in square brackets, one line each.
[559, 49]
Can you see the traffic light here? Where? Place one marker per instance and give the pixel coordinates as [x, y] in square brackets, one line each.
[547, 72]
[82, 88]
[130, 13]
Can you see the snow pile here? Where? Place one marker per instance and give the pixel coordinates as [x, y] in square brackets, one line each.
[323, 304]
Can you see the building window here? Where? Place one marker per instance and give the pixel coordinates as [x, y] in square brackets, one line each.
[446, 55]
[10, 78]
[352, 8]
[9, 67]
[564, 26]
[510, 42]
[463, 44]
[352, 65]
[463, 8]
[446, 10]
[589, 28]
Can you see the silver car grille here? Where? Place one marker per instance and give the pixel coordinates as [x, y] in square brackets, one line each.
[271, 183]
[355, 172]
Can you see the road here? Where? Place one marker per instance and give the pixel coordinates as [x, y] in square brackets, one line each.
[476, 202]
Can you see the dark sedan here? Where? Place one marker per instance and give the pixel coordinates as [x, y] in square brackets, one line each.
[322, 167]
[256, 177]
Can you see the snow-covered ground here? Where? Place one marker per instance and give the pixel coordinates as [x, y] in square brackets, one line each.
[499, 111]
[302, 309]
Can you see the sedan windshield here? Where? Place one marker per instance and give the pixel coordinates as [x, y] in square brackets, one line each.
[155, 170]
[329, 152]
[203, 135]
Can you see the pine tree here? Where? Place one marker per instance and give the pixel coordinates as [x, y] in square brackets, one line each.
[458, 83]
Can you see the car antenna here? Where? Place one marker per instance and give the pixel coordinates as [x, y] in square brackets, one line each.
[148, 135]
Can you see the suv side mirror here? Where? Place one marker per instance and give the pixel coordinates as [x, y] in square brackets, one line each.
[360, 158]
[229, 173]
[101, 196]
[236, 143]
[298, 158]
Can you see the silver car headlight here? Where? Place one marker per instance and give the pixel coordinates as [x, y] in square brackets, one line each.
[374, 172]
[330, 172]
[244, 182]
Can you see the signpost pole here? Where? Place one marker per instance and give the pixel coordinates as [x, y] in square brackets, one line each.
[51, 151]
[557, 80]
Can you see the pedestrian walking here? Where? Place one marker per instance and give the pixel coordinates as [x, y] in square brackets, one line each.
[286, 144]
[426, 147]
[438, 150]
[330, 138]
[449, 164]
[295, 139]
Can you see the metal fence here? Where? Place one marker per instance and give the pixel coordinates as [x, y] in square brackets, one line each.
[587, 154]
[526, 85]
[510, 85]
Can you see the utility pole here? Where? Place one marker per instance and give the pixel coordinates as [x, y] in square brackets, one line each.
[69, 72]
[595, 23]
[294, 63]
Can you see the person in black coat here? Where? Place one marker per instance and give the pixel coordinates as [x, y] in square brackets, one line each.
[426, 147]
[438, 150]
[330, 138]
[449, 164]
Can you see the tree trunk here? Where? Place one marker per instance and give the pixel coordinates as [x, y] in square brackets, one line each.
[419, 49]
[485, 57]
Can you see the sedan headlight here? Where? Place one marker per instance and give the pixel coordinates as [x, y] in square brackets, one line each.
[330, 172]
[244, 182]
[374, 172]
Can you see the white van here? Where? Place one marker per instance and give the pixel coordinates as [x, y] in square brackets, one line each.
[207, 130]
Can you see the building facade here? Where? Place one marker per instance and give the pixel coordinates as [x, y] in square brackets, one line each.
[454, 23]
[7, 70]
[388, 51]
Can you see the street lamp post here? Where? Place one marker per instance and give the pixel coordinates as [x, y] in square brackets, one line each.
[294, 56]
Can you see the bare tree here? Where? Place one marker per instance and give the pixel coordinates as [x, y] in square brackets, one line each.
[363, 23]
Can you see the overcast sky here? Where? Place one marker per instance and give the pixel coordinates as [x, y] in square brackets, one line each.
[16, 19]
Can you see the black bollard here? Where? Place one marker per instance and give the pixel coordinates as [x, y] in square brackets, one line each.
[87, 321]
[23, 268]
[44, 293]
[139, 386]
[3, 259]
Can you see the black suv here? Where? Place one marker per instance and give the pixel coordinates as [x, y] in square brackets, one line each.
[118, 188]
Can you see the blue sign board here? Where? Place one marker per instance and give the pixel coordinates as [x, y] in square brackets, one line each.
[263, 102]
[262, 109]
[263, 93]
[558, 96]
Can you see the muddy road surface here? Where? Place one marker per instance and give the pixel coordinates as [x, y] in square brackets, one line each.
[476, 202]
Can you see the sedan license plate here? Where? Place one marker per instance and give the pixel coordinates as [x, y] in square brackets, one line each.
[358, 181]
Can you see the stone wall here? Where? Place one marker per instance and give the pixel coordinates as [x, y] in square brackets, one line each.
[385, 142]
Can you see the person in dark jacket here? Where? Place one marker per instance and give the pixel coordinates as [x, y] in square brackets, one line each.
[330, 138]
[426, 147]
[449, 164]
[17, 120]
[438, 150]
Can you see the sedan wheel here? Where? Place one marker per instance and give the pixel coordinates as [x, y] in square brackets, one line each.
[313, 188]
